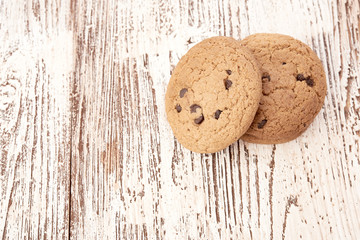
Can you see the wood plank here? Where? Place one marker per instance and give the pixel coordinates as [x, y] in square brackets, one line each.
[35, 74]
[130, 178]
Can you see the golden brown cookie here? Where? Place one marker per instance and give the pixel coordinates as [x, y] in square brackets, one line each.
[213, 95]
[294, 88]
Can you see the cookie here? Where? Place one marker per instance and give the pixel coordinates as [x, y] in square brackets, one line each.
[213, 95]
[294, 88]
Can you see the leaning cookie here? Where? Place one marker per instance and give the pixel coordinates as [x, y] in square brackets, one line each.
[213, 95]
[294, 88]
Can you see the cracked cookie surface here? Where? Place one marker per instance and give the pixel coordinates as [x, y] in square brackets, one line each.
[294, 88]
[213, 95]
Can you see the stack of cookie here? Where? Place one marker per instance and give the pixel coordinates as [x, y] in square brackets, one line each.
[265, 89]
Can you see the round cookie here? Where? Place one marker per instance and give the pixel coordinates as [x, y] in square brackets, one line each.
[213, 95]
[294, 88]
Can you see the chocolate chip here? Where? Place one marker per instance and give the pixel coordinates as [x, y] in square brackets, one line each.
[182, 92]
[178, 108]
[199, 120]
[262, 123]
[229, 72]
[300, 77]
[266, 76]
[194, 107]
[309, 82]
[228, 84]
[284, 63]
[217, 114]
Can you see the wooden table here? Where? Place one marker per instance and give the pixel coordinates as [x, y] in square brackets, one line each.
[86, 151]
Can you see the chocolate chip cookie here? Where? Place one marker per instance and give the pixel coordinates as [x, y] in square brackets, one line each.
[213, 95]
[294, 88]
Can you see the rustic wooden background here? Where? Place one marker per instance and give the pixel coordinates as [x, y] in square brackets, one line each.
[86, 151]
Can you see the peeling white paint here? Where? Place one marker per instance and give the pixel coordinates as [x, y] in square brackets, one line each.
[129, 177]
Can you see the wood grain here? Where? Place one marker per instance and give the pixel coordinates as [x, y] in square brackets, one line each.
[87, 153]
[133, 180]
[35, 75]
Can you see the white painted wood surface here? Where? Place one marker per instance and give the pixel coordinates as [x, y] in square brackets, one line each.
[86, 151]
[35, 79]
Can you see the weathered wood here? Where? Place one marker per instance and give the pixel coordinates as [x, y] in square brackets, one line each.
[84, 82]
[131, 179]
[35, 74]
